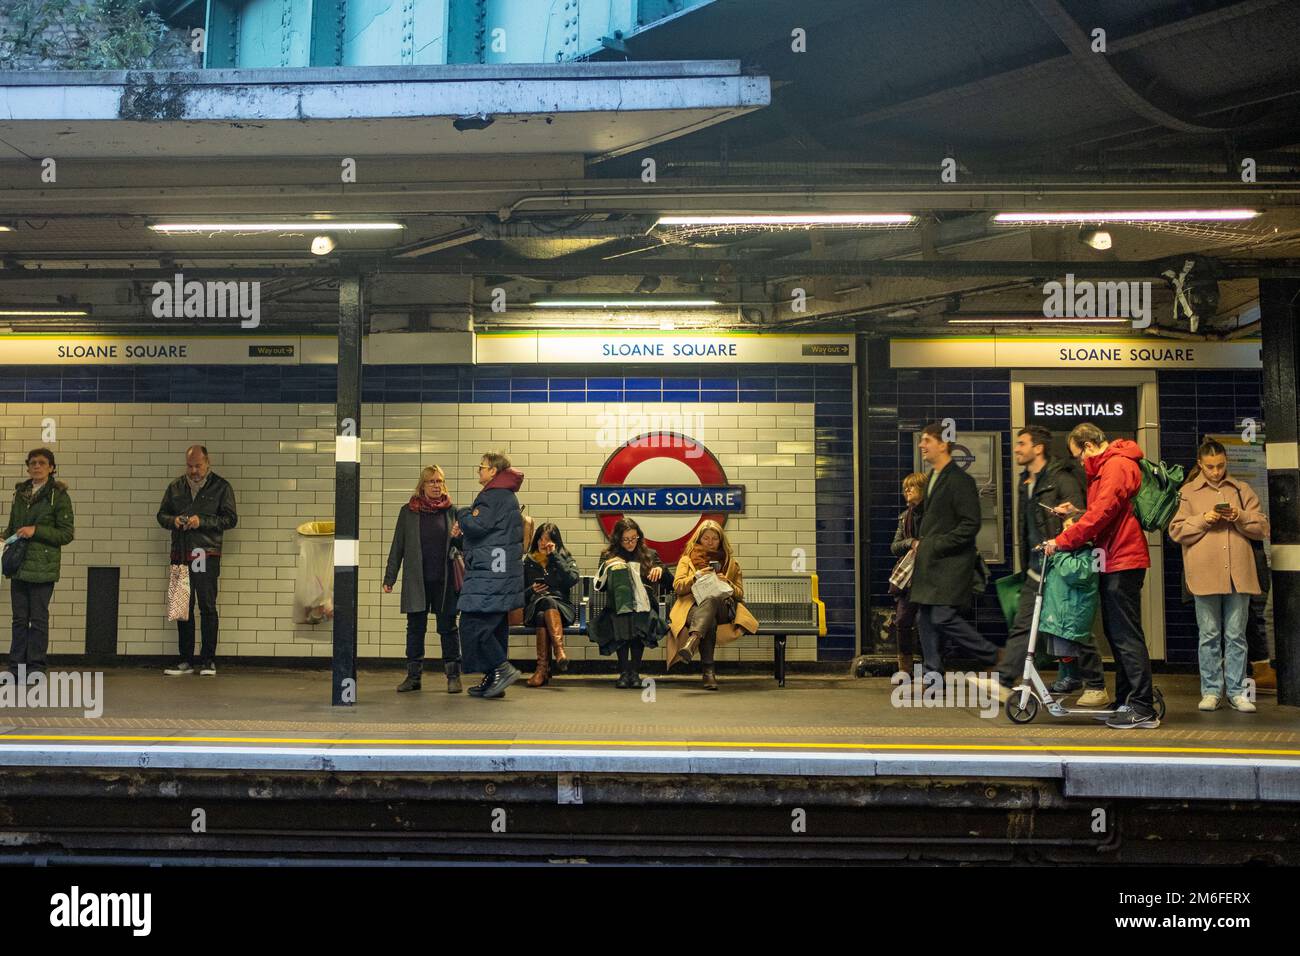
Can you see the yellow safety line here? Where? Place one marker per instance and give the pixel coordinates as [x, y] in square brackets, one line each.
[763, 744]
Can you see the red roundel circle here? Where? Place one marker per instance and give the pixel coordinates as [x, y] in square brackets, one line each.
[662, 458]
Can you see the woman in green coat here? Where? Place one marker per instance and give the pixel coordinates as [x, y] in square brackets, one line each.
[41, 515]
[630, 621]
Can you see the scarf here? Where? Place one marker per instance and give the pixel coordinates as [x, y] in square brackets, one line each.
[196, 486]
[540, 557]
[419, 503]
[701, 556]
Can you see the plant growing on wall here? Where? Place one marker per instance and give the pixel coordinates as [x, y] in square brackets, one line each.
[86, 35]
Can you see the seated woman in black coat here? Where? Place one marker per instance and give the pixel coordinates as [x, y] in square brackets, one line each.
[549, 574]
[630, 621]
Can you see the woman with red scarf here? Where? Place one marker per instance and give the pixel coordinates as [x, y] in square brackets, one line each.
[426, 543]
[718, 619]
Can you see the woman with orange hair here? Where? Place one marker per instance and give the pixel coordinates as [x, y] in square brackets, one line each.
[707, 568]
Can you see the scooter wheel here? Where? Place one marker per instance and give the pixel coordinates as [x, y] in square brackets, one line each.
[1021, 715]
[1158, 702]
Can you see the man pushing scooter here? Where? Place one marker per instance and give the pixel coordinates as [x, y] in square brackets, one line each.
[1111, 526]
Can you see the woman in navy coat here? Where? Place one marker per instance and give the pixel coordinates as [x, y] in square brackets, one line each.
[494, 575]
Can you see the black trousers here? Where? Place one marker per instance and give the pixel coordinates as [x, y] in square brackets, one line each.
[1121, 616]
[31, 637]
[1091, 670]
[941, 621]
[203, 592]
[417, 626]
[485, 639]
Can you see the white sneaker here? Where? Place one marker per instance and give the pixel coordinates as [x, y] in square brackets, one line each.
[1208, 702]
[1093, 698]
[1242, 703]
[180, 670]
[208, 670]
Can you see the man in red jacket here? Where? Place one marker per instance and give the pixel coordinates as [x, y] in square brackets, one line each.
[1109, 523]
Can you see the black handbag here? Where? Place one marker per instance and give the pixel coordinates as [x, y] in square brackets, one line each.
[16, 553]
[14, 556]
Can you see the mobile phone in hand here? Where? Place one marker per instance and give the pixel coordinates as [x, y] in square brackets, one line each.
[1223, 507]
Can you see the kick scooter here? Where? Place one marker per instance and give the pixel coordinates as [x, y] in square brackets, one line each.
[1032, 692]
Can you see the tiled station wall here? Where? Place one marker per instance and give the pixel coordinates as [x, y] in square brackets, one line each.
[784, 432]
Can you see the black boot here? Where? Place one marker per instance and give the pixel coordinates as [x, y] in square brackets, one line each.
[634, 667]
[622, 682]
[453, 677]
[412, 682]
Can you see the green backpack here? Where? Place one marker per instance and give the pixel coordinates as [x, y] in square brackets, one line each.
[1157, 497]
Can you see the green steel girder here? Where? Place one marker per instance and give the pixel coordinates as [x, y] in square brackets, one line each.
[285, 33]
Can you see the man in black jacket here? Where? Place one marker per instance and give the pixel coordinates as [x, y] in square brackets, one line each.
[946, 557]
[197, 508]
[1046, 482]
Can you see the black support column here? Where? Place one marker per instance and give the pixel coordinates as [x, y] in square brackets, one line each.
[347, 493]
[863, 518]
[1279, 306]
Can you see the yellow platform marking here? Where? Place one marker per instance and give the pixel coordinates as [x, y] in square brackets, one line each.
[753, 744]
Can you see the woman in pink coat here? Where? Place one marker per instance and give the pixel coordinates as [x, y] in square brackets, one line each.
[1216, 518]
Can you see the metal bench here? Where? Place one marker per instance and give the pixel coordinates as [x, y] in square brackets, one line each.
[577, 597]
[785, 604]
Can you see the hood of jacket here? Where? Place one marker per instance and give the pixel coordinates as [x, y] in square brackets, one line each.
[1119, 448]
[512, 479]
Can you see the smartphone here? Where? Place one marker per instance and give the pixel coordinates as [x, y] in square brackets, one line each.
[1223, 507]
[715, 566]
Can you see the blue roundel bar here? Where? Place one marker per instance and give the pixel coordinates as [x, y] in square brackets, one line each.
[663, 498]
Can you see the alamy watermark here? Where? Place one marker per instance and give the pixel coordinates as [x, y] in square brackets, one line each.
[650, 430]
[950, 689]
[179, 299]
[57, 690]
[1098, 300]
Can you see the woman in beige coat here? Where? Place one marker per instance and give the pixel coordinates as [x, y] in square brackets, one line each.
[1217, 516]
[717, 620]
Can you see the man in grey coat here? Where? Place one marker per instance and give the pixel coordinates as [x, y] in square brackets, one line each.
[946, 557]
[493, 531]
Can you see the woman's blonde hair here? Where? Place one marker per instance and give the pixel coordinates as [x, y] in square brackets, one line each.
[427, 472]
[711, 525]
[915, 480]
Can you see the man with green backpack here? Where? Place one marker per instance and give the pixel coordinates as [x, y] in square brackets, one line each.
[1111, 525]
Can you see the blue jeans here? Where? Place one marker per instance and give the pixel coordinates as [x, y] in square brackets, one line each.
[1222, 617]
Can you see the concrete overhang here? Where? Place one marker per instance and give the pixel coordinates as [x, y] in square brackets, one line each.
[597, 109]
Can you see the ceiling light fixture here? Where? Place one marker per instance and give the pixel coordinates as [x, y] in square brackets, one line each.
[302, 225]
[1036, 320]
[798, 219]
[1134, 215]
[322, 246]
[1096, 238]
[35, 311]
[625, 303]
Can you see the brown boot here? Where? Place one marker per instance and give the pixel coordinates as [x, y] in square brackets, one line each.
[555, 624]
[710, 677]
[905, 664]
[542, 673]
[1265, 677]
[687, 650]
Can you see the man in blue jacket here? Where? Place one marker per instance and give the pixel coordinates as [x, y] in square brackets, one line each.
[494, 575]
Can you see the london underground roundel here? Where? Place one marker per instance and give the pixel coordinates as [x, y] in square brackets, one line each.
[668, 484]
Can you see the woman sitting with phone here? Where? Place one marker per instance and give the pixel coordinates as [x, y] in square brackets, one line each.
[549, 574]
[1217, 516]
[707, 567]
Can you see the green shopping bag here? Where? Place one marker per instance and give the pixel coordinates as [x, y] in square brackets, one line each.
[1008, 589]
